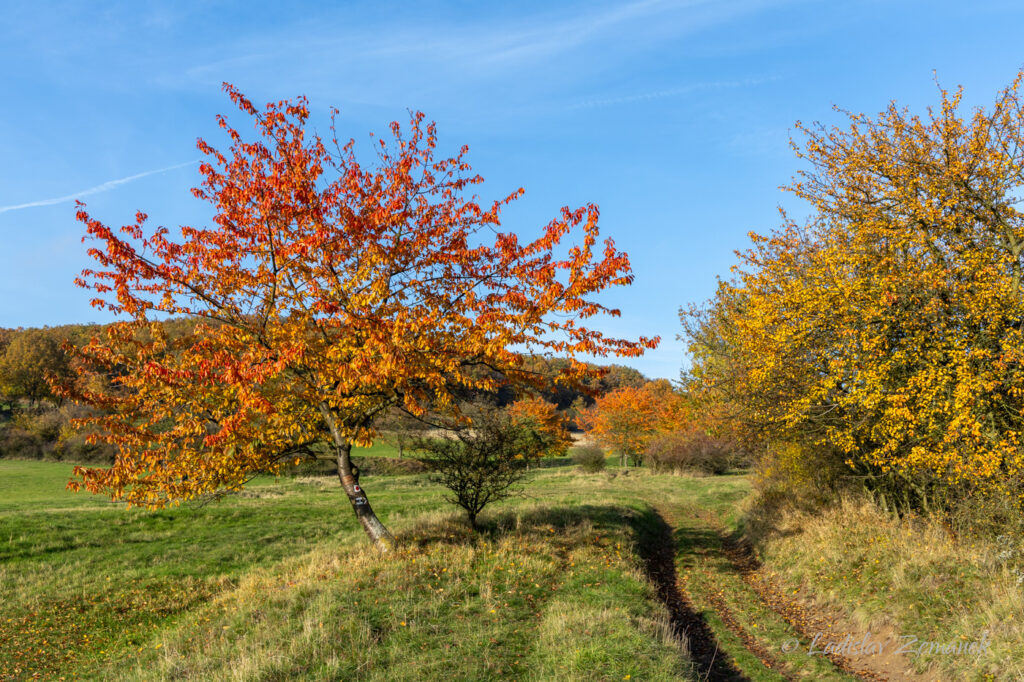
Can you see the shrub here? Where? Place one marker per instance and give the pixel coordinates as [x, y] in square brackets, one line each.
[482, 464]
[45, 424]
[589, 458]
[690, 451]
[16, 442]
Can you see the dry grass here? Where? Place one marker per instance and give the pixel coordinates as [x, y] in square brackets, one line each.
[907, 576]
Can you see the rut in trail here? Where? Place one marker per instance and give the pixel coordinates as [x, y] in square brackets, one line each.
[657, 549]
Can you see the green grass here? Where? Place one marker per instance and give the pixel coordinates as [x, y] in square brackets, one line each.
[379, 449]
[24, 484]
[278, 583]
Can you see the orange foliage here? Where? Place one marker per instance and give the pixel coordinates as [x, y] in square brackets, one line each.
[548, 422]
[626, 419]
[325, 292]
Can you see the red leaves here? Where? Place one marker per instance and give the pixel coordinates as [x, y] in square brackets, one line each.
[322, 283]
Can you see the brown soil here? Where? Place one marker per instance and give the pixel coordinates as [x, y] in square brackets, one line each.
[804, 613]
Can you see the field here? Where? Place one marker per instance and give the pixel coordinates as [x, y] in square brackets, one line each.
[278, 582]
[608, 576]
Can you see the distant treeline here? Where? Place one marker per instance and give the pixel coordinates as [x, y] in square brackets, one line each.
[35, 423]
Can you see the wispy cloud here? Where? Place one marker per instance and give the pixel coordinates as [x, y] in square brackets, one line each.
[106, 186]
[430, 60]
[472, 46]
[669, 92]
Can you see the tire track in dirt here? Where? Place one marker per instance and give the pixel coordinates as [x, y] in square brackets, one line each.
[657, 549]
[875, 667]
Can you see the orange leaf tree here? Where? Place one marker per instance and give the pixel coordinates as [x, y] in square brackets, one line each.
[324, 293]
[627, 418]
[545, 419]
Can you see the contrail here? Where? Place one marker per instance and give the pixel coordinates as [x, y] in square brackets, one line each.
[110, 184]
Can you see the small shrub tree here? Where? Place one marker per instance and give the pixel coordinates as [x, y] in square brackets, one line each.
[690, 450]
[590, 458]
[482, 464]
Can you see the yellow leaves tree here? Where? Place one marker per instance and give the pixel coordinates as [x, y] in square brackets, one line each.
[28, 358]
[888, 329]
[324, 293]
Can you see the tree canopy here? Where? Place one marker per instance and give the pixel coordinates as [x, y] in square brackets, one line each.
[887, 330]
[325, 292]
[626, 419]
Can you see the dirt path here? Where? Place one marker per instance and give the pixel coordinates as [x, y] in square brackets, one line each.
[808, 618]
[657, 548]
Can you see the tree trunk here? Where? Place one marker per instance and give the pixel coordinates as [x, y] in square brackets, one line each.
[379, 535]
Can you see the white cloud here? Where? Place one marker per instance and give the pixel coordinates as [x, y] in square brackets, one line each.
[669, 92]
[396, 61]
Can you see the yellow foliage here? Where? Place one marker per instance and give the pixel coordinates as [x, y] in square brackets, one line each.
[889, 327]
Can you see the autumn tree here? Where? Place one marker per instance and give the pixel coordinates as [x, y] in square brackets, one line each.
[626, 419]
[715, 383]
[6, 336]
[543, 418]
[887, 332]
[325, 292]
[30, 357]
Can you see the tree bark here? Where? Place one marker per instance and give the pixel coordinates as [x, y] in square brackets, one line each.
[377, 532]
[379, 535]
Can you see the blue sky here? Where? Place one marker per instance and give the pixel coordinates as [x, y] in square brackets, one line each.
[673, 116]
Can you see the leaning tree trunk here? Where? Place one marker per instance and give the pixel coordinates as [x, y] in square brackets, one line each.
[377, 532]
[379, 535]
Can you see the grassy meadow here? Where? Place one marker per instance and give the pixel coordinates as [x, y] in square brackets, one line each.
[605, 576]
[278, 583]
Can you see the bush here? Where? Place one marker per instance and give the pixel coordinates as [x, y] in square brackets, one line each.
[589, 458]
[482, 464]
[45, 424]
[45, 433]
[18, 443]
[690, 451]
